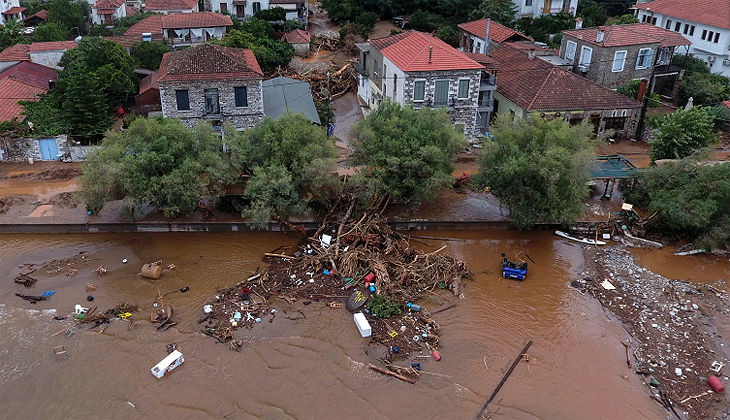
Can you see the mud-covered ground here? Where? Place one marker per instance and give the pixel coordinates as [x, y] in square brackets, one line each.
[671, 325]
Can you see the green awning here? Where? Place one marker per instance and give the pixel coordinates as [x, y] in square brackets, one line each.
[612, 167]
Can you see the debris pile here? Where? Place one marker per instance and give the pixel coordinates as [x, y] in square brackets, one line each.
[328, 39]
[342, 80]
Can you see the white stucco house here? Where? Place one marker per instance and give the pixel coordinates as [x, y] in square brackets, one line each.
[11, 9]
[104, 12]
[537, 8]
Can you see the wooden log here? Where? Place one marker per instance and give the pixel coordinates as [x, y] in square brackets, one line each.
[268, 254]
[393, 374]
[504, 378]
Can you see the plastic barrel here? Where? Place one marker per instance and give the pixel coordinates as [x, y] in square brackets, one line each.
[716, 385]
[369, 278]
[436, 355]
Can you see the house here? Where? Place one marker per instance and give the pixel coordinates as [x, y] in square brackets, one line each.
[528, 9]
[299, 39]
[530, 86]
[417, 68]
[241, 9]
[22, 82]
[35, 19]
[295, 9]
[487, 87]
[615, 55]
[212, 83]
[167, 7]
[11, 9]
[180, 29]
[104, 12]
[44, 53]
[472, 35]
[705, 23]
[282, 94]
[148, 99]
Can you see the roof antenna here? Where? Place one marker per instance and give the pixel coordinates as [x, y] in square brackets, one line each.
[430, 51]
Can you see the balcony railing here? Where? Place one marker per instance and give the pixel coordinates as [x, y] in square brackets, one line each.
[486, 104]
[486, 83]
[555, 10]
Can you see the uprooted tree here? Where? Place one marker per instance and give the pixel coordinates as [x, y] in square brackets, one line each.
[538, 168]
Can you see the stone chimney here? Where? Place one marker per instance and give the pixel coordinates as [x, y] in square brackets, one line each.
[600, 34]
[578, 23]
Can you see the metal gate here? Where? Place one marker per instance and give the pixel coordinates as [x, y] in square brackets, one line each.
[49, 150]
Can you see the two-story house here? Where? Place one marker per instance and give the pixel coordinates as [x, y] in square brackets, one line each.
[167, 7]
[536, 8]
[44, 53]
[615, 55]
[11, 9]
[529, 86]
[705, 24]
[212, 83]
[104, 12]
[420, 69]
[472, 35]
[178, 29]
[241, 9]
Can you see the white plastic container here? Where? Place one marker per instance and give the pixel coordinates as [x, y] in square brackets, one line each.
[363, 325]
[167, 364]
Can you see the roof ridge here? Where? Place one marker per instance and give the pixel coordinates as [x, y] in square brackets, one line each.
[544, 82]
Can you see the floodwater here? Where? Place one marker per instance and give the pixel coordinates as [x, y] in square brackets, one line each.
[311, 368]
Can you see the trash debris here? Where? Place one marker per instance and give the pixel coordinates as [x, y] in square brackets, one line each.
[716, 366]
[151, 271]
[90, 287]
[26, 280]
[413, 307]
[363, 325]
[78, 309]
[101, 270]
[124, 261]
[513, 270]
[416, 366]
[716, 385]
[89, 298]
[184, 289]
[167, 364]
[607, 285]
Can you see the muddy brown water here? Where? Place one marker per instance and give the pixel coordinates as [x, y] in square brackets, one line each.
[313, 368]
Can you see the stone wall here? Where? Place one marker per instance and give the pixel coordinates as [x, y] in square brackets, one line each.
[240, 118]
[25, 149]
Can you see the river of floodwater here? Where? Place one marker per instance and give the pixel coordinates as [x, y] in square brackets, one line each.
[316, 367]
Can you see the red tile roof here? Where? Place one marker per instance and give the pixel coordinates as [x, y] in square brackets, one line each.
[709, 12]
[536, 85]
[52, 46]
[195, 20]
[297, 36]
[108, 4]
[497, 33]
[151, 5]
[209, 62]
[149, 82]
[411, 50]
[152, 24]
[21, 52]
[22, 81]
[727, 104]
[632, 34]
[488, 62]
[131, 11]
[14, 10]
[43, 15]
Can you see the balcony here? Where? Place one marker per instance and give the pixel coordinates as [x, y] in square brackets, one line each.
[487, 83]
[485, 105]
[556, 10]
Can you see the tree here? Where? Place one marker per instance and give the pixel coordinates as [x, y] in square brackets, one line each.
[682, 133]
[98, 29]
[542, 27]
[622, 20]
[424, 21]
[12, 33]
[706, 89]
[85, 108]
[70, 14]
[290, 163]
[537, 168]
[339, 11]
[272, 14]
[690, 63]
[407, 153]
[632, 91]
[45, 116]
[449, 35]
[592, 13]
[157, 162]
[148, 54]
[500, 11]
[270, 54]
[51, 31]
[690, 198]
[258, 28]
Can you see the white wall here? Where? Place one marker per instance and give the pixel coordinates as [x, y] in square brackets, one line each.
[215, 4]
[391, 72]
[537, 6]
[47, 58]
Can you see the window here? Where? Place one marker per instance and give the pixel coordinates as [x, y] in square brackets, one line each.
[686, 28]
[677, 26]
[528, 3]
[623, 112]
[704, 34]
[211, 101]
[224, 7]
[643, 61]
[717, 37]
[183, 102]
[256, 6]
[241, 95]
[395, 84]
[570, 47]
[441, 93]
[463, 89]
[376, 67]
[614, 113]
[653, 21]
[419, 90]
[669, 24]
[691, 30]
[385, 71]
[709, 38]
[477, 47]
[643, 18]
[619, 58]
[585, 56]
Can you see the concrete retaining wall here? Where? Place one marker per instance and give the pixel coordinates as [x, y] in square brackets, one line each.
[23, 149]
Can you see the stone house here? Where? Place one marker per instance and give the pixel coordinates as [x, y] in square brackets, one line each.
[615, 55]
[212, 83]
[420, 69]
[179, 29]
[532, 87]
[472, 35]
[300, 40]
[295, 9]
[705, 23]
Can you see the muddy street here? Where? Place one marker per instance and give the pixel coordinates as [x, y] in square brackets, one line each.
[311, 366]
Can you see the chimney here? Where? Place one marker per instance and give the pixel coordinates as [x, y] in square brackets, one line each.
[600, 34]
[430, 52]
[531, 54]
[578, 23]
[642, 90]
[486, 37]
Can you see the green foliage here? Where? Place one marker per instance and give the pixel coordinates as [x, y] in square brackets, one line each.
[290, 163]
[691, 199]
[382, 307]
[270, 15]
[592, 13]
[32, 6]
[148, 54]
[367, 22]
[720, 115]
[682, 133]
[293, 25]
[407, 153]
[326, 113]
[706, 89]
[84, 107]
[449, 35]
[424, 21]
[340, 11]
[68, 13]
[255, 36]
[537, 168]
[157, 162]
[45, 116]
[632, 91]
[271, 54]
[258, 28]
[622, 20]
[12, 33]
[691, 63]
[122, 24]
[500, 11]
[542, 27]
[51, 31]
[98, 29]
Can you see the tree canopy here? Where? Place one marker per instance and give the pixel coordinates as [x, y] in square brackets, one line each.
[51, 31]
[148, 54]
[537, 168]
[407, 153]
[706, 89]
[158, 162]
[500, 11]
[70, 14]
[269, 53]
[682, 133]
[12, 33]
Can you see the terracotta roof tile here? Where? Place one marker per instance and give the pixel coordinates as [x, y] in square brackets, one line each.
[151, 5]
[152, 24]
[149, 82]
[108, 4]
[632, 34]
[417, 51]
[22, 81]
[14, 10]
[497, 33]
[297, 36]
[43, 15]
[195, 20]
[209, 62]
[709, 12]
[52, 46]
[127, 41]
[131, 11]
[488, 62]
[536, 85]
[17, 52]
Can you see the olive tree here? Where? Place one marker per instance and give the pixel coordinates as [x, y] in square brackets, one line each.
[682, 133]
